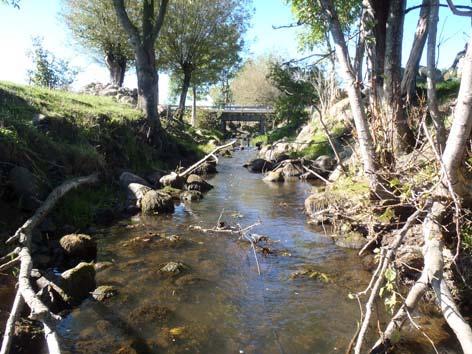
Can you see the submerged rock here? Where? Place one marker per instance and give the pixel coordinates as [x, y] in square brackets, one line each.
[172, 268]
[104, 292]
[156, 202]
[353, 240]
[79, 247]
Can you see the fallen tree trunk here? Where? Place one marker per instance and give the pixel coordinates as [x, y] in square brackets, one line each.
[25, 293]
[170, 178]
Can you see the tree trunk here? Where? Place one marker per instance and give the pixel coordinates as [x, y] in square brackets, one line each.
[403, 138]
[117, 68]
[431, 58]
[380, 12]
[147, 84]
[408, 85]
[184, 92]
[194, 106]
[459, 134]
[357, 107]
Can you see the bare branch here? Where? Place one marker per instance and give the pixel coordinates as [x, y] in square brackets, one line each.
[455, 9]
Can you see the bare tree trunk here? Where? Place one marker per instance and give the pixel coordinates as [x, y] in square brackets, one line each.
[360, 49]
[194, 106]
[408, 86]
[357, 107]
[117, 68]
[144, 44]
[147, 84]
[459, 134]
[380, 12]
[403, 138]
[184, 92]
[431, 59]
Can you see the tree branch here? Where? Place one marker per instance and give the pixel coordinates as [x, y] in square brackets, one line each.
[160, 18]
[440, 5]
[123, 17]
[457, 12]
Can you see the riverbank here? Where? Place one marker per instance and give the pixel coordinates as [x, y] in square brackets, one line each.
[48, 136]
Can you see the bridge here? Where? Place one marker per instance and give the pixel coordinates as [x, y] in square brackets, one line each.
[238, 114]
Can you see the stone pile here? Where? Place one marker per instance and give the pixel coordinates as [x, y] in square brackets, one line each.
[120, 94]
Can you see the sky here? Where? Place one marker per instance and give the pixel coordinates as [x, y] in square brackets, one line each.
[41, 18]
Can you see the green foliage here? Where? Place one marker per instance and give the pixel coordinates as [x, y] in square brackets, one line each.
[388, 290]
[48, 70]
[80, 207]
[309, 12]
[95, 27]
[202, 39]
[287, 131]
[251, 85]
[297, 92]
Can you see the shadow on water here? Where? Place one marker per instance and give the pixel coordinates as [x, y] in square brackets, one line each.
[219, 303]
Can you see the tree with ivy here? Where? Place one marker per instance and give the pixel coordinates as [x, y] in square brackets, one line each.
[48, 70]
[94, 25]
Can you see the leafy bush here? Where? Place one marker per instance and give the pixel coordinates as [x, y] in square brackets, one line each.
[48, 70]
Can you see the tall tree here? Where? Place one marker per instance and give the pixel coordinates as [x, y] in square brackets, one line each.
[95, 26]
[252, 86]
[202, 38]
[143, 41]
[354, 93]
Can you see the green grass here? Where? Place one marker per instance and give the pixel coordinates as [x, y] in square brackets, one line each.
[82, 134]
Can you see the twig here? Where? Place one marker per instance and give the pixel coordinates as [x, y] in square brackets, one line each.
[10, 264]
[10, 325]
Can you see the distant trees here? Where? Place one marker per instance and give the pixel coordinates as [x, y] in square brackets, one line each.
[252, 85]
[48, 70]
[201, 39]
[143, 37]
[95, 27]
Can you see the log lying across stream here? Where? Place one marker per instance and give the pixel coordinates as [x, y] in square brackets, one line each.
[25, 293]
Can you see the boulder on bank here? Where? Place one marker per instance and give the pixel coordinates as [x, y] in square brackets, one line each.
[156, 202]
[259, 166]
[78, 247]
[197, 183]
[324, 164]
[25, 186]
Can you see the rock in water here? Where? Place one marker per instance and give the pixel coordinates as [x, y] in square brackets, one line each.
[157, 202]
[206, 168]
[79, 247]
[104, 292]
[274, 176]
[78, 282]
[191, 195]
[259, 165]
[173, 180]
[196, 183]
[291, 169]
[172, 268]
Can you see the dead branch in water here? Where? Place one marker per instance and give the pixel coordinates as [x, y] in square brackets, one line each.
[198, 163]
[25, 293]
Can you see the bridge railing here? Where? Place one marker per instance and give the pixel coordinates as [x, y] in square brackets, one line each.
[241, 109]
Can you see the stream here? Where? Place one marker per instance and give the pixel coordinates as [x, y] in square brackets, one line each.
[219, 303]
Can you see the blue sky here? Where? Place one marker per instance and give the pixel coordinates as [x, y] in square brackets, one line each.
[40, 18]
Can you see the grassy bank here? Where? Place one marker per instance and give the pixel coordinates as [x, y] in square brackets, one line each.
[57, 135]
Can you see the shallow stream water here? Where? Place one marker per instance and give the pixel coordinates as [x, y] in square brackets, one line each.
[219, 303]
